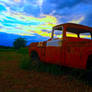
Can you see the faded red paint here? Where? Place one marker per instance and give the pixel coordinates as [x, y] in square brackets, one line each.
[74, 52]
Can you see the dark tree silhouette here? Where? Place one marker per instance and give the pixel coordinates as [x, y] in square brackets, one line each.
[19, 42]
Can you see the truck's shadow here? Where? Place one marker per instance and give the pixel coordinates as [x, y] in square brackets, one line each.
[87, 77]
[56, 70]
[82, 75]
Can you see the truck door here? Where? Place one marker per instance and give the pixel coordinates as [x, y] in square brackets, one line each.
[72, 50]
[54, 48]
[72, 56]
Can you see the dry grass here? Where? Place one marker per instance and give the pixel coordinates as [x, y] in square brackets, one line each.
[18, 74]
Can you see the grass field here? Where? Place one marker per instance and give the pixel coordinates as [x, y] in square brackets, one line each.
[19, 74]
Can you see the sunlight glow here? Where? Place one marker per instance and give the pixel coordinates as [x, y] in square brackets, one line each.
[22, 24]
[77, 21]
[12, 21]
[17, 0]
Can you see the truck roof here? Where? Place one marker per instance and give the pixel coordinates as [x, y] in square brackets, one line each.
[75, 28]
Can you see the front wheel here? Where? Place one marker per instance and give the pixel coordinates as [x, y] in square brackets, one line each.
[35, 60]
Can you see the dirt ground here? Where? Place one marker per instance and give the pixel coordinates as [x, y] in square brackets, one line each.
[15, 79]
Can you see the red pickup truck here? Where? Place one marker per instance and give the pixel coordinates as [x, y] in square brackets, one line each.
[70, 45]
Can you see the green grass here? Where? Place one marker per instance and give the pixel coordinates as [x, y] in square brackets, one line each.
[7, 50]
[26, 63]
[23, 51]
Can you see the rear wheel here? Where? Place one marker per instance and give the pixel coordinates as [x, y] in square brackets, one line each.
[88, 74]
[89, 62]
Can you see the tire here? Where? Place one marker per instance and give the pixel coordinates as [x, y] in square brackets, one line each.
[35, 59]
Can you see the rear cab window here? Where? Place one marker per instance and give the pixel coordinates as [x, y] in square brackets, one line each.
[74, 32]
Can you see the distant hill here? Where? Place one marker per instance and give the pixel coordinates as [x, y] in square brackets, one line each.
[8, 39]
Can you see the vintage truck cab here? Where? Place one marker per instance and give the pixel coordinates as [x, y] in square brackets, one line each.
[70, 45]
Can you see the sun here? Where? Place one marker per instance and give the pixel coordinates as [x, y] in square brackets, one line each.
[17, 0]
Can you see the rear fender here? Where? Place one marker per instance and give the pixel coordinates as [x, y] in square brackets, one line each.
[84, 59]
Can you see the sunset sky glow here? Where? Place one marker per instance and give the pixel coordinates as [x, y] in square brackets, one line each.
[37, 17]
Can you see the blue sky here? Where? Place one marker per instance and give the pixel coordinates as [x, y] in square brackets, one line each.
[35, 18]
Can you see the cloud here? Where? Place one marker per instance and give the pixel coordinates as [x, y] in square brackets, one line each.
[22, 24]
[2, 7]
[69, 10]
[30, 17]
[60, 4]
[88, 20]
[77, 21]
[65, 3]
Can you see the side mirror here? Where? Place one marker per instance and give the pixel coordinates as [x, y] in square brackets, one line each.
[49, 39]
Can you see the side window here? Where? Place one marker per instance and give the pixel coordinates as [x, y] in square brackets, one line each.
[85, 35]
[70, 34]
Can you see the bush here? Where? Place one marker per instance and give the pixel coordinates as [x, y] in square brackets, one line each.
[25, 63]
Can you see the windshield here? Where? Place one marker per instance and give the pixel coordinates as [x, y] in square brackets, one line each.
[58, 33]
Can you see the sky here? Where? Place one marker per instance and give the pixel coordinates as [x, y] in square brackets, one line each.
[34, 19]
